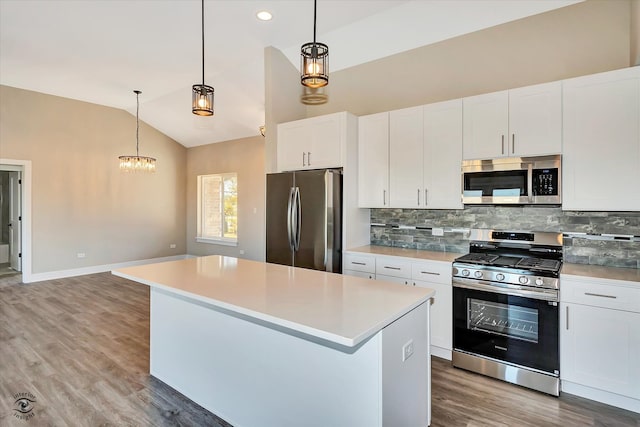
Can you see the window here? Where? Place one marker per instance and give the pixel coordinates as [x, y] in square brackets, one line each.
[218, 209]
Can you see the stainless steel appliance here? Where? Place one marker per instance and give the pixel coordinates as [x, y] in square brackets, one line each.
[505, 308]
[516, 180]
[304, 219]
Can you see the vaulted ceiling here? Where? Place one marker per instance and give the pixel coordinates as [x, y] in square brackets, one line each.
[99, 51]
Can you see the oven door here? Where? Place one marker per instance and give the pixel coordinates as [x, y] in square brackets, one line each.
[517, 329]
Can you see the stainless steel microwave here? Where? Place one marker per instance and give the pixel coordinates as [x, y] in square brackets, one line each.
[515, 180]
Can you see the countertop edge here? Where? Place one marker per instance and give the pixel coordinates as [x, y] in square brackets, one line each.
[280, 322]
[415, 254]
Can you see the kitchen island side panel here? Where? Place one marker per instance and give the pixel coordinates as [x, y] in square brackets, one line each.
[251, 374]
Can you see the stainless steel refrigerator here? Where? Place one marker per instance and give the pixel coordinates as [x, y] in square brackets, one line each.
[304, 219]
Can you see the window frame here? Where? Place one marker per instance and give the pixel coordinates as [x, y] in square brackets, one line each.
[226, 241]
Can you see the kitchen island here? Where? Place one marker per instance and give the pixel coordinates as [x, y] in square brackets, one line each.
[270, 345]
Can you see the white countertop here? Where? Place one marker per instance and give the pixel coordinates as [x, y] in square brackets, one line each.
[600, 272]
[407, 253]
[345, 310]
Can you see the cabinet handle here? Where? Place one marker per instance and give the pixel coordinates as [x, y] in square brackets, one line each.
[425, 197]
[358, 263]
[304, 157]
[600, 295]
[384, 197]
[513, 143]
[567, 317]
[418, 197]
[502, 144]
[392, 268]
[429, 272]
[308, 158]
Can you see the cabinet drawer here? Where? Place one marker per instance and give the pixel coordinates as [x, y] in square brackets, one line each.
[393, 267]
[365, 264]
[600, 295]
[432, 271]
[392, 279]
[362, 274]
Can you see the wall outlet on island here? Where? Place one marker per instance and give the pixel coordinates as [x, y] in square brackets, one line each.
[172, 246]
[81, 255]
[407, 350]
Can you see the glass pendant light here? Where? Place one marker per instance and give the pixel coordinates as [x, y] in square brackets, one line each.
[202, 95]
[314, 60]
[137, 163]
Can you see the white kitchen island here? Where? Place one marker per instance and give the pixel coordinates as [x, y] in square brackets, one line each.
[268, 345]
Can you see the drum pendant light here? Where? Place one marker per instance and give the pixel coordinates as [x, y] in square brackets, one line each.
[137, 163]
[202, 95]
[314, 60]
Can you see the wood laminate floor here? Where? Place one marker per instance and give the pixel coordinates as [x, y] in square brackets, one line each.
[78, 349]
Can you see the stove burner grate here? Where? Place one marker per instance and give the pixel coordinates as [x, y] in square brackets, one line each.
[539, 264]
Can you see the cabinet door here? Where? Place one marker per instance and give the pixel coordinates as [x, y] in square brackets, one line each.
[600, 348]
[325, 134]
[486, 123]
[535, 120]
[373, 161]
[441, 314]
[442, 155]
[293, 144]
[601, 141]
[405, 158]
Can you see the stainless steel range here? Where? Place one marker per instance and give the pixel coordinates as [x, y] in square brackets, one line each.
[505, 307]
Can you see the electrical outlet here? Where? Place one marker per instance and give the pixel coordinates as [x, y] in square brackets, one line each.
[241, 251]
[437, 232]
[172, 246]
[81, 255]
[407, 350]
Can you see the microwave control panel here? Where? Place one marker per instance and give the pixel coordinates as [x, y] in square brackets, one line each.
[545, 182]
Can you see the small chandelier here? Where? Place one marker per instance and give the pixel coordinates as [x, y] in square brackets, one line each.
[137, 163]
[202, 95]
[314, 60]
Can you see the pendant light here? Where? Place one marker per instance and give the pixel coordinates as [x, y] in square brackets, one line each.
[314, 60]
[137, 163]
[202, 95]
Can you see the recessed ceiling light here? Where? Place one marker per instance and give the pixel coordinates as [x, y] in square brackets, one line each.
[264, 15]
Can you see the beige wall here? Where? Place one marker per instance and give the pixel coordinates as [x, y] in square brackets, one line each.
[246, 158]
[81, 202]
[581, 39]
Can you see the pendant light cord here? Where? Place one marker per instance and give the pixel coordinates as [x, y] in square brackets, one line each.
[137, 122]
[315, 7]
[202, 42]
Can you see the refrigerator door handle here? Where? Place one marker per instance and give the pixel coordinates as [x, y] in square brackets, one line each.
[298, 218]
[290, 217]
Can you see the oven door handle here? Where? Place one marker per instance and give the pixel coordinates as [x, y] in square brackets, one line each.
[542, 294]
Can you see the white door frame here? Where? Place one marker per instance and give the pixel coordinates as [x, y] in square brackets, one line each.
[23, 166]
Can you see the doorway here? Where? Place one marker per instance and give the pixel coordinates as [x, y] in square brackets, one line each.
[14, 224]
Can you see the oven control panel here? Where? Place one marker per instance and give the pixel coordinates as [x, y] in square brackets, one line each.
[470, 271]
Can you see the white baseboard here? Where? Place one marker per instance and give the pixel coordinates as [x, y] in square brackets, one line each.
[612, 399]
[61, 274]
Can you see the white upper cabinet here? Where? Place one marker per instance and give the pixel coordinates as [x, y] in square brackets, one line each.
[601, 141]
[515, 123]
[535, 120]
[442, 152]
[405, 158]
[373, 161]
[486, 125]
[313, 143]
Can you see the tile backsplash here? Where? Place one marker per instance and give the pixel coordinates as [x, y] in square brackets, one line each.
[615, 253]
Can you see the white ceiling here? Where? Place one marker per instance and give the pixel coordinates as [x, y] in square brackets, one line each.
[99, 51]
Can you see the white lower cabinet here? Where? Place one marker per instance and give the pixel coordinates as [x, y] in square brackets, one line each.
[600, 342]
[411, 272]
